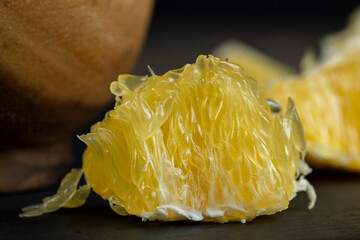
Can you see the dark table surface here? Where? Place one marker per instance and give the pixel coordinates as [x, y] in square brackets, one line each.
[173, 42]
[335, 216]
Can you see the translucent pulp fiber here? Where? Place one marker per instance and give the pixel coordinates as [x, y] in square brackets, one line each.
[196, 143]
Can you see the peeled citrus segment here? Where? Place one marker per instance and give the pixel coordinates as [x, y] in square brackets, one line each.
[197, 143]
[261, 67]
[68, 195]
[328, 103]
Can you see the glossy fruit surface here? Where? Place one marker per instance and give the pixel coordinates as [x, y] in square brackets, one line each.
[196, 143]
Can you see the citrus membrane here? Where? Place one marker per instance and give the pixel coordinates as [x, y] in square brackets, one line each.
[198, 143]
[68, 196]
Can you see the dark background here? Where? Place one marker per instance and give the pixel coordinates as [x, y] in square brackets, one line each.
[179, 32]
[270, 8]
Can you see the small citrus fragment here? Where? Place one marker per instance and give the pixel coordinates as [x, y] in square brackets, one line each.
[68, 196]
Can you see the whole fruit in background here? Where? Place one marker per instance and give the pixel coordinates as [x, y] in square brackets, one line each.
[57, 59]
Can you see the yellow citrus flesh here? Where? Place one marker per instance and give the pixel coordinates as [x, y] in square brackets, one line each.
[261, 67]
[197, 143]
[328, 103]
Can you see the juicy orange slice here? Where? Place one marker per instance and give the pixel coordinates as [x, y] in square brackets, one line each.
[328, 103]
[327, 97]
[198, 143]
